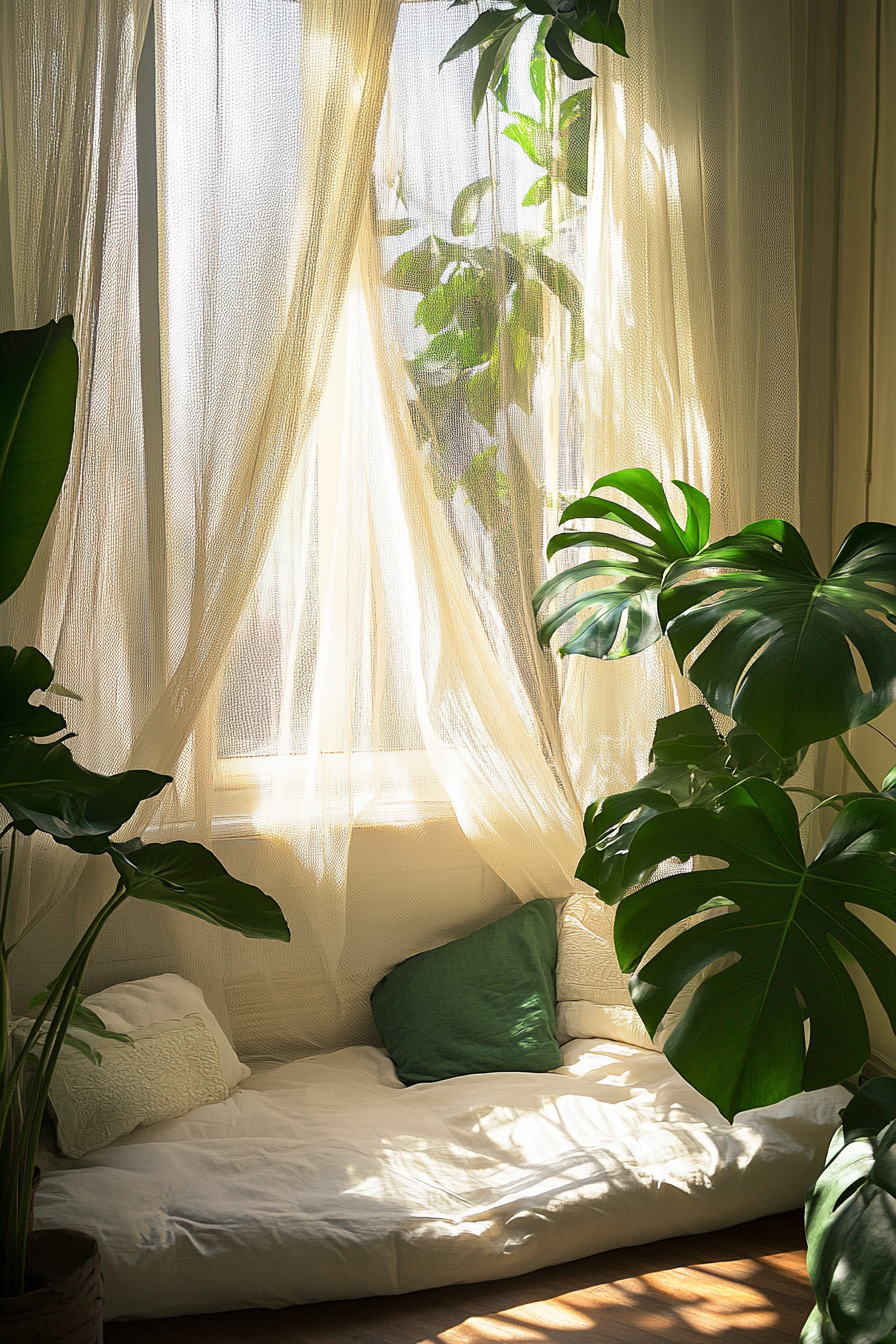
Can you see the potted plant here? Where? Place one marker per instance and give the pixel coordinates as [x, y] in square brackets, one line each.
[791, 658]
[42, 788]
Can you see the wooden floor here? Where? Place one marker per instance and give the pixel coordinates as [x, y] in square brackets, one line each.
[746, 1285]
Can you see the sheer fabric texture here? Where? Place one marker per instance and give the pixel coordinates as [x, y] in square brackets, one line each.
[309, 576]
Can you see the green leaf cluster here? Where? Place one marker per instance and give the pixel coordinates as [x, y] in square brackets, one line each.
[483, 310]
[692, 765]
[494, 32]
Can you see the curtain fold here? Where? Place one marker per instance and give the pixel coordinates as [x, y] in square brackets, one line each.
[68, 245]
[845, 65]
[281, 111]
[691, 333]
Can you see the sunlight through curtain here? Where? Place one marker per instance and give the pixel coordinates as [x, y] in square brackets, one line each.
[393, 346]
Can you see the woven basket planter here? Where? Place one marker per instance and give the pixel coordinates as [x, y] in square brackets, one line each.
[65, 1304]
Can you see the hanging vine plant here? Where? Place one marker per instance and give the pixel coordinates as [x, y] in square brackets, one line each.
[485, 307]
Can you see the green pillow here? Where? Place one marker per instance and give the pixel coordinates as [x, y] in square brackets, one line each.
[482, 1004]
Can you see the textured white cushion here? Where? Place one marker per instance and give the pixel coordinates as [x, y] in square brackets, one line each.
[171, 1068]
[578, 1019]
[592, 993]
[158, 998]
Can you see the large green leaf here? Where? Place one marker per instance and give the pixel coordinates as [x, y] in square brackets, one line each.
[21, 674]
[534, 137]
[575, 131]
[692, 766]
[465, 211]
[596, 20]
[783, 642]
[483, 28]
[623, 617]
[741, 1041]
[558, 45]
[43, 788]
[421, 267]
[188, 877]
[38, 391]
[851, 1224]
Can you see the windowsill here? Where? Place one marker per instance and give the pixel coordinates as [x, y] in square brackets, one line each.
[261, 795]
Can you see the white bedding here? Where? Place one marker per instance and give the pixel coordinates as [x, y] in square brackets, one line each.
[327, 1179]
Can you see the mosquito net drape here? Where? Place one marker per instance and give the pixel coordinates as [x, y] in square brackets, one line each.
[392, 346]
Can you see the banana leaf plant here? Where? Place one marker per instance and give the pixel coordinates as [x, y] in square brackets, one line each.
[43, 788]
[793, 658]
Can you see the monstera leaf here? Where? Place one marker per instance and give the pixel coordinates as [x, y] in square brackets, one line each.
[692, 767]
[784, 657]
[851, 1225]
[741, 1042]
[21, 674]
[37, 419]
[188, 878]
[623, 616]
[44, 789]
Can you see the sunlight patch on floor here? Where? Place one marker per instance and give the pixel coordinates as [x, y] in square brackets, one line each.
[701, 1301]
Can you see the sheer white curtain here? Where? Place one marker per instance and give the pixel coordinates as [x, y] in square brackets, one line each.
[155, 552]
[372, 592]
[400, 655]
[691, 317]
[68, 244]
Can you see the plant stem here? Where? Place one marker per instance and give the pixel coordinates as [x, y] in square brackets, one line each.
[881, 734]
[57, 990]
[4, 978]
[20, 1151]
[872, 787]
[825, 802]
[7, 887]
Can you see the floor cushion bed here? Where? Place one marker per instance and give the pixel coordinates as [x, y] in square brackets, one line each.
[326, 1178]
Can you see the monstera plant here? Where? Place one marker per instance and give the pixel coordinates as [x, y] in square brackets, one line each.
[43, 788]
[793, 658]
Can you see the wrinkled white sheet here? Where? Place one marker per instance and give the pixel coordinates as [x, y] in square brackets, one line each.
[326, 1178]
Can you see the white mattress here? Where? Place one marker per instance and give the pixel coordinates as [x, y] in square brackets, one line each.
[327, 1179]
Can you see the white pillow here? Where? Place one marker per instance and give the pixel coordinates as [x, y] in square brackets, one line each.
[577, 1019]
[158, 998]
[592, 993]
[171, 1068]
